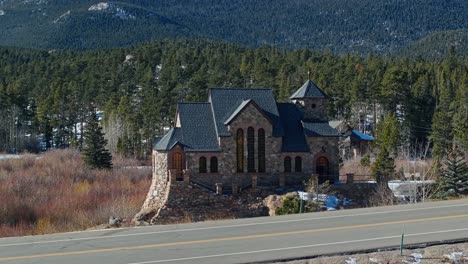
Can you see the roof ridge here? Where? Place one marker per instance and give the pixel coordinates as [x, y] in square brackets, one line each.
[239, 88]
[193, 103]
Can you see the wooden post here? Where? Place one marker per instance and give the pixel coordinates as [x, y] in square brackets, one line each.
[219, 188]
[282, 180]
[186, 177]
[173, 176]
[254, 181]
[234, 189]
[349, 178]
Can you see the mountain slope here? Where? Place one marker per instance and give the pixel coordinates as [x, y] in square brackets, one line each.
[340, 25]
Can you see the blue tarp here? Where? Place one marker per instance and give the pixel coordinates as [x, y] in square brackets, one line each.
[362, 136]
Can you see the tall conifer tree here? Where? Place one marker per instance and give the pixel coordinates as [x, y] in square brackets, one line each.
[95, 153]
[454, 180]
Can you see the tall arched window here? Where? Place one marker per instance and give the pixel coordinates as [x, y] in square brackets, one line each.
[213, 165]
[287, 164]
[202, 165]
[298, 164]
[250, 149]
[240, 150]
[261, 150]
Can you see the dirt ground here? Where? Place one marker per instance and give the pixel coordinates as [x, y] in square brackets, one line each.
[453, 254]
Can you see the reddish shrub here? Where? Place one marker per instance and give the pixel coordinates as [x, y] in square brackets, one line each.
[55, 192]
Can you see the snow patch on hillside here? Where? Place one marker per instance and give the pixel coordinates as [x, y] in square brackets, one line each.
[2, 13]
[123, 14]
[112, 8]
[24, 2]
[100, 6]
[62, 18]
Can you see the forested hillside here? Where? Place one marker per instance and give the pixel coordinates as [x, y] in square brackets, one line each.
[361, 26]
[49, 94]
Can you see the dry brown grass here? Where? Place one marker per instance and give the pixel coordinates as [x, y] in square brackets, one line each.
[363, 173]
[55, 192]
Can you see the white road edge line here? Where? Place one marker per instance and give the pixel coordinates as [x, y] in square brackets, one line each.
[221, 227]
[298, 247]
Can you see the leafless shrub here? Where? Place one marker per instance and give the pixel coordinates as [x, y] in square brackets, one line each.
[382, 196]
[55, 193]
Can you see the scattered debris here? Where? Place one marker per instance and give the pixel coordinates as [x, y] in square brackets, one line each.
[456, 257]
[416, 258]
[351, 260]
[115, 221]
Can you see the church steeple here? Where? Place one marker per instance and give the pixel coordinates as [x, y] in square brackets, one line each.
[309, 90]
[312, 101]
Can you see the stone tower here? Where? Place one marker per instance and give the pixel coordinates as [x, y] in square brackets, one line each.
[312, 101]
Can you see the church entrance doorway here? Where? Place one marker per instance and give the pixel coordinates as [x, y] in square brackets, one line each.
[322, 169]
[177, 163]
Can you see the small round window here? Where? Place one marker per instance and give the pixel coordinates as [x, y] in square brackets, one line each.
[313, 106]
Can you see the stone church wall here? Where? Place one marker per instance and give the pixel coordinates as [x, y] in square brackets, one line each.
[159, 190]
[326, 147]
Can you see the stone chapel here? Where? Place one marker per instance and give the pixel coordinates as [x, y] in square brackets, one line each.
[243, 138]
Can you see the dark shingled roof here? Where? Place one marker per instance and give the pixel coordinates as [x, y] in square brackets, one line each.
[294, 139]
[238, 110]
[197, 131]
[202, 123]
[309, 90]
[172, 138]
[319, 129]
[225, 101]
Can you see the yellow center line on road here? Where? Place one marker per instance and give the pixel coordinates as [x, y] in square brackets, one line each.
[71, 253]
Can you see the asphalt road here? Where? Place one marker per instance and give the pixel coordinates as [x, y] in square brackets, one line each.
[247, 240]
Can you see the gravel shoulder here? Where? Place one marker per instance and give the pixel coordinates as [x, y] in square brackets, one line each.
[449, 253]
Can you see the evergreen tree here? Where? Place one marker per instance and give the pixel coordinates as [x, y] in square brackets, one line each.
[387, 142]
[454, 180]
[95, 153]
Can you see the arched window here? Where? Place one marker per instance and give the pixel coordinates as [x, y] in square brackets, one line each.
[298, 164]
[202, 165]
[287, 164]
[213, 165]
[261, 150]
[240, 150]
[250, 149]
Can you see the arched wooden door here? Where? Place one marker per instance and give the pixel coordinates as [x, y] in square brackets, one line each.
[177, 165]
[323, 169]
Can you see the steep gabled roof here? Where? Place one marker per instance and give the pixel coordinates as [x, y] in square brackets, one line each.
[197, 125]
[225, 102]
[168, 141]
[197, 131]
[319, 129]
[293, 139]
[241, 107]
[309, 90]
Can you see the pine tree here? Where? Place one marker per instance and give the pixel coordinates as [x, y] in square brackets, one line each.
[95, 153]
[387, 142]
[454, 181]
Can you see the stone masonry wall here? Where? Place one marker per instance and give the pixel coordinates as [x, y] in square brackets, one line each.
[313, 108]
[188, 203]
[159, 189]
[326, 147]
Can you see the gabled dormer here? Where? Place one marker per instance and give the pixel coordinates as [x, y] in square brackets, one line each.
[312, 102]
